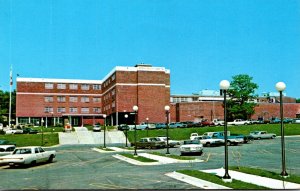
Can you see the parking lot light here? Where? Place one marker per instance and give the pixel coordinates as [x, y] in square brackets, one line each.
[224, 86]
[126, 116]
[280, 86]
[167, 109]
[135, 109]
[147, 120]
[104, 144]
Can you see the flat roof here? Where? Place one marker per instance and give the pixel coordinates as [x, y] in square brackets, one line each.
[53, 80]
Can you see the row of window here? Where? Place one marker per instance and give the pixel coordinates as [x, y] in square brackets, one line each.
[62, 86]
[84, 99]
[107, 82]
[72, 110]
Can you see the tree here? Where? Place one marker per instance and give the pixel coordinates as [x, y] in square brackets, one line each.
[241, 96]
[4, 106]
[298, 100]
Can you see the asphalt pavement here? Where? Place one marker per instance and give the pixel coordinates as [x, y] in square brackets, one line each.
[80, 167]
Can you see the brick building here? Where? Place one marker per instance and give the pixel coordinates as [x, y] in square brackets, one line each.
[85, 101]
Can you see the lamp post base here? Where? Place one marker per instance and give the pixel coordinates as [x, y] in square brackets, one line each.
[226, 178]
[284, 174]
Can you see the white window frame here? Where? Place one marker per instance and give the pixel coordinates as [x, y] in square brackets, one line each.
[96, 99]
[85, 86]
[48, 109]
[48, 99]
[49, 86]
[61, 110]
[73, 109]
[73, 99]
[61, 98]
[61, 86]
[85, 99]
[73, 86]
[97, 110]
[96, 87]
[85, 110]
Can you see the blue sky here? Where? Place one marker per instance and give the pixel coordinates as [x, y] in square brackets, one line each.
[201, 41]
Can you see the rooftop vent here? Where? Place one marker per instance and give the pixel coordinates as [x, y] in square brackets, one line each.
[143, 65]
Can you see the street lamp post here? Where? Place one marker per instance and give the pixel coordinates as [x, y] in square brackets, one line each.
[126, 116]
[280, 86]
[42, 131]
[135, 109]
[167, 109]
[104, 145]
[147, 119]
[224, 85]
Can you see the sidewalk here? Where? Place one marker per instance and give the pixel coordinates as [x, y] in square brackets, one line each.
[161, 159]
[258, 180]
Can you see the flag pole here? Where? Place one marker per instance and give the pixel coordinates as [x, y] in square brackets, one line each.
[10, 85]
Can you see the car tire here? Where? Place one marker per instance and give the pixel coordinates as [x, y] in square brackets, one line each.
[51, 158]
[272, 137]
[208, 144]
[228, 143]
[33, 163]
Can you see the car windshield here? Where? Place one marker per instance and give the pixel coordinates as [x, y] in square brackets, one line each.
[22, 151]
[254, 132]
[191, 142]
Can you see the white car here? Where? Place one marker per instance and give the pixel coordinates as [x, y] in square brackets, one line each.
[191, 147]
[6, 149]
[13, 131]
[239, 122]
[97, 128]
[172, 143]
[262, 135]
[209, 141]
[27, 155]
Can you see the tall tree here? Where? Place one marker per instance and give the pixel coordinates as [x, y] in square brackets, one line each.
[4, 106]
[241, 96]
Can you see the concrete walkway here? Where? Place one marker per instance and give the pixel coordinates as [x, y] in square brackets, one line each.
[195, 181]
[81, 135]
[161, 159]
[253, 179]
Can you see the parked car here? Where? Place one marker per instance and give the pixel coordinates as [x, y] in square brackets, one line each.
[96, 128]
[5, 142]
[239, 122]
[209, 141]
[191, 147]
[177, 125]
[262, 135]
[149, 142]
[160, 126]
[18, 130]
[275, 120]
[189, 123]
[231, 139]
[297, 120]
[287, 120]
[206, 122]
[172, 143]
[6, 149]
[123, 127]
[28, 130]
[218, 122]
[27, 155]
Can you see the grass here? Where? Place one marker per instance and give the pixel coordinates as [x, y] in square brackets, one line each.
[184, 133]
[264, 173]
[138, 158]
[22, 140]
[235, 184]
[105, 149]
[174, 156]
[50, 129]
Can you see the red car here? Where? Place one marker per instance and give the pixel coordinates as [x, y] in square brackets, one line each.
[205, 122]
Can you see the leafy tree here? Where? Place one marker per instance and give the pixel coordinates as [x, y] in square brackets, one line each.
[298, 100]
[241, 95]
[4, 106]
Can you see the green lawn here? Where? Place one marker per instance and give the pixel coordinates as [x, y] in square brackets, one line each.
[138, 158]
[264, 173]
[235, 184]
[184, 133]
[32, 139]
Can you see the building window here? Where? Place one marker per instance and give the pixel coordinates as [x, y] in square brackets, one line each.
[73, 109]
[97, 110]
[73, 99]
[61, 86]
[61, 110]
[85, 110]
[113, 92]
[113, 104]
[73, 86]
[61, 99]
[85, 99]
[113, 77]
[96, 87]
[96, 99]
[85, 86]
[48, 86]
[48, 109]
[48, 98]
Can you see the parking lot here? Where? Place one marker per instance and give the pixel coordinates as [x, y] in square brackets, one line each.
[79, 167]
